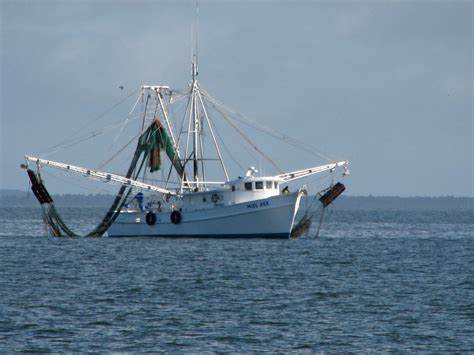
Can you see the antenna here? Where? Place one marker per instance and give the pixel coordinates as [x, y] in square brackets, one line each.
[195, 40]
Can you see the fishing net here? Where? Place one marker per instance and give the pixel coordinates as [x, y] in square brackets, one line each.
[149, 144]
[317, 205]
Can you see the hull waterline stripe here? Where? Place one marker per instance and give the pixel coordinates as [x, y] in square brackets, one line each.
[216, 236]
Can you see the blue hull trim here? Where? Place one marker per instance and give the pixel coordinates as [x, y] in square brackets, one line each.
[208, 236]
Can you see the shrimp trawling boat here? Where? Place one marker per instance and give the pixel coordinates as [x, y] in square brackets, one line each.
[187, 202]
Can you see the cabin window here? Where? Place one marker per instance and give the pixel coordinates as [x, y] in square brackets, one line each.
[275, 184]
[268, 184]
[248, 186]
[259, 185]
[233, 187]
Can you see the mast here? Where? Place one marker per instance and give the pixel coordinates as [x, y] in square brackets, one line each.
[195, 115]
[195, 119]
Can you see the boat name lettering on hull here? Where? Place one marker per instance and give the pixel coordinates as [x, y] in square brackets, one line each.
[257, 205]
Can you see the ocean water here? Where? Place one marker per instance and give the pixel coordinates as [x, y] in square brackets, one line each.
[372, 281]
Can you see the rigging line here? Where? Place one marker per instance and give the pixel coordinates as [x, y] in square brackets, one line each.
[248, 150]
[242, 144]
[126, 121]
[78, 140]
[144, 111]
[104, 163]
[201, 133]
[169, 175]
[143, 119]
[275, 134]
[242, 134]
[286, 139]
[173, 107]
[182, 178]
[70, 181]
[123, 125]
[97, 118]
[179, 140]
[212, 134]
[161, 180]
[125, 146]
[176, 95]
[161, 104]
[201, 155]
[189, 127]
[143, 125]
[162, 173]
[156, 109]
[170, 127]
[317, 179]
[278, 135]
[227, 150]
[188, 158]
[92, 135]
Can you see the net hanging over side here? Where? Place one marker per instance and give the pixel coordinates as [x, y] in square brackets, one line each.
[149, 144]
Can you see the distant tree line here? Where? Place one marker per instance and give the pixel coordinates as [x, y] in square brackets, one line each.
[17, 198]
[14, 198]
[404, 203]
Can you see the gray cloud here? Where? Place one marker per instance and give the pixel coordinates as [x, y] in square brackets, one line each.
[386, 85]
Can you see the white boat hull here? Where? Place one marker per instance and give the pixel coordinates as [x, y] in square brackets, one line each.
[271, 217]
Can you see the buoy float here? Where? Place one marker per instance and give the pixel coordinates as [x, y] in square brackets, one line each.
[175, 217]
[150, 218]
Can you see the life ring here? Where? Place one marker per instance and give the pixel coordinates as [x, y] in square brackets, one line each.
[175, 217]
[215, 198]
[150, 218]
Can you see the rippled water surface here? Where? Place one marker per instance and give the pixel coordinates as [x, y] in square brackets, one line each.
[372, 281]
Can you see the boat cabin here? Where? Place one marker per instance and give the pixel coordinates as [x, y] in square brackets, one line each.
[243, 189]
[251, 188]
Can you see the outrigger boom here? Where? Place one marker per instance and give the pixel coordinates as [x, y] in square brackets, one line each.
[103, 176]
[315, 170]
[121, 180]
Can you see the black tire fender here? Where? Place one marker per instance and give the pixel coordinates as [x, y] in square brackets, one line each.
[150, 218]
[175, 217]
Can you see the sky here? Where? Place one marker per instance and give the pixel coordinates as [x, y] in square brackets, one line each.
[386, 85]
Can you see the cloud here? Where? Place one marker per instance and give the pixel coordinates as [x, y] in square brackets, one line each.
[363, 80]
